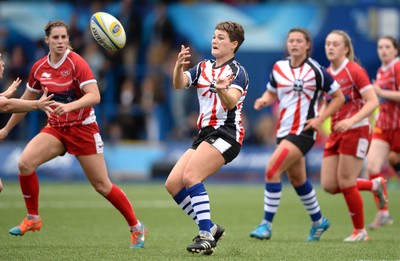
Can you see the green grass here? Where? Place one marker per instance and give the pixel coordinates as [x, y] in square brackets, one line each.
[78, 224]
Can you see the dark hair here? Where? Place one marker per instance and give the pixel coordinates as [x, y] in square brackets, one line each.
[235, 32]
[56, 23]
[392, 40]
[307, 36]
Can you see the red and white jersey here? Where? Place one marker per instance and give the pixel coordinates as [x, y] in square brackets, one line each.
[353, 80]
[388, 78]
[212, 111]
[298, 91]
[65, 80]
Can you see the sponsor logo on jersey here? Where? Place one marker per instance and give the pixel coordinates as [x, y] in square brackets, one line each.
[45, 76]
[66, 72]
[298, 85]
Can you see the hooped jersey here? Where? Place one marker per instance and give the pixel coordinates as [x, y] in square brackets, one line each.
[388, 78]
[65, 80]
[298, 91]
[212, 111]
[353, 80]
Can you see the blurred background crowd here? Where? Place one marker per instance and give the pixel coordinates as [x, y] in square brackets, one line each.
[138, 101]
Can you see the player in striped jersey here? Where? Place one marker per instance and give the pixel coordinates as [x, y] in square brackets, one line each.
[221, 89]
[298, 83]
[347, 144]
[8, 104]
[386, 135]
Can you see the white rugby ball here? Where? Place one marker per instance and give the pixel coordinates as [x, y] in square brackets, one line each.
[107, 31]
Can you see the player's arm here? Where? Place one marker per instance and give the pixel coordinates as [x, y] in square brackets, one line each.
[91, 98]
[327, 110]
[179, 79]
[228, 96]
[18, 105]
[371, 103]
[387, 94]
[268, 98]
[17, 117]
[12, 89]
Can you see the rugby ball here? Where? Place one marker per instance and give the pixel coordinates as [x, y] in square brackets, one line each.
[107, 31]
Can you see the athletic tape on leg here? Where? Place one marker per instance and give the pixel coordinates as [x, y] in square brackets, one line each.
[277, 164]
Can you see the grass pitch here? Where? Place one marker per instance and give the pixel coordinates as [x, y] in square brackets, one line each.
[79, 224]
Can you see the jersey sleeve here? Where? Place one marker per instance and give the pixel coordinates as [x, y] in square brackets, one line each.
[397, 74]
[272, 85]
[241, 80]
[361, 78]
[83, 73]
[194, 74]
[33, 84]
[329, 84]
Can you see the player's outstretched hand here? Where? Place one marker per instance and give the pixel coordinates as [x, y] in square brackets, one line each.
[12, 89]
[45, 102]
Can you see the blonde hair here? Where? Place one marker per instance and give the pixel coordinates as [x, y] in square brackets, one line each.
[347, 43]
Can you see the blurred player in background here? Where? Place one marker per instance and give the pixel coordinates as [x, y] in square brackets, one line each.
[8, 104]
[347, 144]
[386, 135]
[221, 89]
[71, 128]
[298, 82]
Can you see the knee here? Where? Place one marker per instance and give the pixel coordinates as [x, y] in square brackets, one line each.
[169, 186]
[102, 188]
[189, 178]
[329, 189]
[25, 167]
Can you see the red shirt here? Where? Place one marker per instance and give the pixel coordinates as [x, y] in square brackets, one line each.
[388, 78]
[353, 80]
[65, 80]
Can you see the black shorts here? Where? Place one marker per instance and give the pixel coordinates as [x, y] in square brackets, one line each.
[228, 147]
[304, 143]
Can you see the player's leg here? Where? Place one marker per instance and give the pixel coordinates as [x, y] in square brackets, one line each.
[348, 170]
[394, 161]
[175, 187]
[377, 156]
[42, 148]
[283, 157]
[204, 162]
[95, 170]
[307, 195]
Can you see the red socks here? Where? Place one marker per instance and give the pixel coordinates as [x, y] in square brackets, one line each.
[30, 191]
[355, 206]
[121, 202]
[364, 184]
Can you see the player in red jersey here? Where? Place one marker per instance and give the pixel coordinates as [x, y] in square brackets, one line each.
[71, 128]
[347, 144]
[386, 135]
[298, 82]
[8, 104]
[221, 86]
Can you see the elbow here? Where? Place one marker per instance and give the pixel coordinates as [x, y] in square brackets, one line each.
[5, 106]
[231, 107]
[376, 103]
[97, 100]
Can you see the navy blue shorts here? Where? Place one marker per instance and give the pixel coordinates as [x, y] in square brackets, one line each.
[228, 147]
[304, 143]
